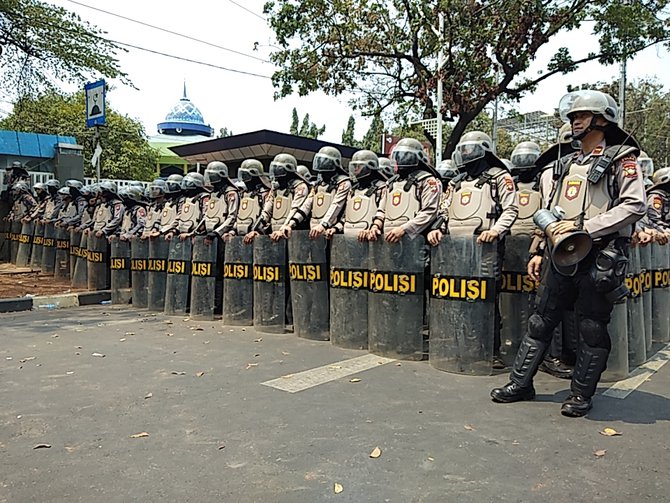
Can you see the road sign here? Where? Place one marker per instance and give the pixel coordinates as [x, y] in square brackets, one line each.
[95, 103]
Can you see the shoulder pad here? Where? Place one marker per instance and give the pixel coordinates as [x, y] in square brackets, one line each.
[495, 171]
[422, 175]
[618, 152]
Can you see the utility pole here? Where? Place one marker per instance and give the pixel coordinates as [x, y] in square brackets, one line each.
[494, 125]
[622, 93]
[440, 91]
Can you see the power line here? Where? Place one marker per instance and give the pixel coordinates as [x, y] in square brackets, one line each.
[248, 10]
[189, 60]
[171, 31]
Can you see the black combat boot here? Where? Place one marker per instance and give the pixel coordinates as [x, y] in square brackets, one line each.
[555, 367]
[529, 357]
[591, 362]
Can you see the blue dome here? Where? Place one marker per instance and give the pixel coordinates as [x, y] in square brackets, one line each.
[184, 119]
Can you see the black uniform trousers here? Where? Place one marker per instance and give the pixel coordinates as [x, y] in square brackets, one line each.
[558, 293]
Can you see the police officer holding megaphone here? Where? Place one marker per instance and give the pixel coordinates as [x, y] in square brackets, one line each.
[600, 190]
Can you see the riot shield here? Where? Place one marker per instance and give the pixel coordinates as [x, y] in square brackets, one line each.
[349, 273]
[36, 253]
[119, 265]
[395, 301]
[139, 266]
[238, 285]
[617, 363]
[49, 249]
[645, 262]
[660, 294]
[98, 263]
[5, 208]
[80, 274]
[75, 238]
[463, 305]
[637, 346]
[178, 277]
[25, 244]
[516, 294]
[270, 284]
[62, 269]
[308, 266]
[158, 255]
[203, 278]
[15, 233]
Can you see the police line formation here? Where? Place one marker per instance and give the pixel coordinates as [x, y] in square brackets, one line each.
[554, 260]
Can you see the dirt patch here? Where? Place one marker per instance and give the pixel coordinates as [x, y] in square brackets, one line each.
[14, 285]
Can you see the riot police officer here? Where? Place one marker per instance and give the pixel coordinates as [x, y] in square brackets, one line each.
[156, 195]
[329, 195]
[78, 204]
[41, 197]
[601, 191]
[192, 208]
[135, 214]
[53, 203]
[290, 195]
[173, 202]
[368, 194]
[24, 202]
[413, 198]
[658, 200]
[256, 204]
[482, 203]
[223, 205]
[109, 212]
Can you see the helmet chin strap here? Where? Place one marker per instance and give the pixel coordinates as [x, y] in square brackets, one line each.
[591, 127]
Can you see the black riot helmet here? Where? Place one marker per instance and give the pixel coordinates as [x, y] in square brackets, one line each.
[216, 174]
[252, 175]
[108, 190]
[156, 189]
[40, 191]
[173, 185]
[52, 186]
[409, 155]
[193, 184]
[447, 170]
[283, 168]
[363, 165]
[134, 194]
[386, 167]
[75, 187]
[327, 162]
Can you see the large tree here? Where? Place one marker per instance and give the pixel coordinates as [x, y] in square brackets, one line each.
[126, 151]
[385, 52]
[43, 45]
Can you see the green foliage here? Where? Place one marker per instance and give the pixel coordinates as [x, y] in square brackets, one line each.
[295, 122]
[373, 138]
[225, 132]
[348, 133]
[385, 52]
[126, 152]
[42, 42]
[308, 129]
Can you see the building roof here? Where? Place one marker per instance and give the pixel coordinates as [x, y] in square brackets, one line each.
[184, 118]
[259, 145]
[42, 146]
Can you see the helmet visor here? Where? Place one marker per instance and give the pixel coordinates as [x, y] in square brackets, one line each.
[325, 163]
[524, 159]
[467, 152]
[647, 167]
[278, 170]
[359, 169]
[405, 158]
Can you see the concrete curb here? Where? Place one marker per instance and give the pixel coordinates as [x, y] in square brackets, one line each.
[48, 302]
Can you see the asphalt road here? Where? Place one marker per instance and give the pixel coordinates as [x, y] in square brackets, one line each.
[216, 433]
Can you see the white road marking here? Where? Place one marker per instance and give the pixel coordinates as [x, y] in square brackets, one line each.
[625, 387]
[331, 372]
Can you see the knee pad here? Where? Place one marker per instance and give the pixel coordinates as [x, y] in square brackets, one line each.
[594, 333]
[538, 328]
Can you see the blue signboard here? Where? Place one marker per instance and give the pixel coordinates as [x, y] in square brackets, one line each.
[95, 103]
